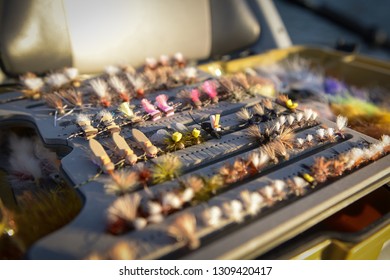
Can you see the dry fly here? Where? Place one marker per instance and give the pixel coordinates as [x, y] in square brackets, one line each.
[187, 195]
[150, 76]
[170, 201]
[85, 124]
[183, 229]
[233, 210]
[164, 60]
[330, 134]
[267, 193]
[138, 83]
[107, 119]
[299, 117]
[341, 123]
[276, 127]
[118, 85]
[244, 115]
[57, 80]
[286, 137]
[151, 207]
[74, 97]
[279, 189]
[321, 134]
[162, 104]
[144, 175]
[212, 216]
[121, 182]
[309, 139]
[300, 143]
[259, 159]
[162, 77]
[127, 112]
[290, 119]
[297, 185]
[150, 109]
[374, 152]
[282, 120]
[55, 100]
[235, 172]
[210, 88]
[286, 102]
[194, 182]
[268, 150]
[124, 207]
[258, 109]
[241, 80]
[239, 167]
[233, 93]
[191, 96]
[190, 75]
[279, 148]
[122, 214]
[179, 59]
[33, 85]
[337, 167]
[151, 63]
[267, 103]
[100, 88]
[282, 99]
[166, 168]
[128, 69]
[354, 157]
[254, 133]
[23, 163]
[227, 84]
[310, 116]
[225, 172]
[320, 169]
[72, 74]
[252, 201]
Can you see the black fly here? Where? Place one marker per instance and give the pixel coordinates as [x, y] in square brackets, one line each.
[212, 127]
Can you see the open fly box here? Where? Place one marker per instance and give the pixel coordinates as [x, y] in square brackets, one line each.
[247, 226]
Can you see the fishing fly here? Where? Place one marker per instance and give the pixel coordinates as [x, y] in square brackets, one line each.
[212, 127]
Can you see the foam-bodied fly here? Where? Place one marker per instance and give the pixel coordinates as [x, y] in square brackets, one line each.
[212, 127]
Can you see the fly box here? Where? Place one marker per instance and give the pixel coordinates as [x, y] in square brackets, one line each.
[231, 177]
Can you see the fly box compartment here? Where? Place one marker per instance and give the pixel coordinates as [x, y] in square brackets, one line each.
[262, 172]
[358, 232]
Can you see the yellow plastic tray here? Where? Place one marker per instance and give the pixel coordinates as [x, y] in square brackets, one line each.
[355, 69]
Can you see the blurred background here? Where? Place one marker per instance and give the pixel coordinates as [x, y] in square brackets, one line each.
[44, 35]
[306, 27]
